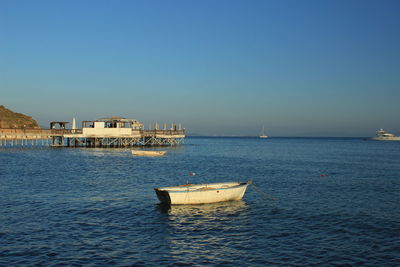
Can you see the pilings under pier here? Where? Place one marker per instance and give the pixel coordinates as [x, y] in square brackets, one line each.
[116, 142]
[18, 141]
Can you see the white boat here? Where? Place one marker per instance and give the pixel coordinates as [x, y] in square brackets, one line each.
[263, 134]
[382, 135]
[148, 153]
[201, 193]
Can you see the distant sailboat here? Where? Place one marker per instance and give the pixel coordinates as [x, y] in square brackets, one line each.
[263, 134]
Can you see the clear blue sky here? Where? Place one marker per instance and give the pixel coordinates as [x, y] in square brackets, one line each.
[301, 68]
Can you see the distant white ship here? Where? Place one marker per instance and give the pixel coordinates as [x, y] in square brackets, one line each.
[263, 134]
[382, 135]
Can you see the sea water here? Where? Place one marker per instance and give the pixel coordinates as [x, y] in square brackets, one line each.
[316, 201]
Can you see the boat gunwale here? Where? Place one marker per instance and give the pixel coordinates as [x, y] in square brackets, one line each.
[200, 189]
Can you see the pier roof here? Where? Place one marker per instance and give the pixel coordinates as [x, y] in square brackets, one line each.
[116, 118]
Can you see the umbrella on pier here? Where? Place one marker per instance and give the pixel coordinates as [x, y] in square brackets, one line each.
[73, 124]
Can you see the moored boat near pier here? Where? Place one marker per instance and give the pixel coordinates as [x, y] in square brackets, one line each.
[148, 153]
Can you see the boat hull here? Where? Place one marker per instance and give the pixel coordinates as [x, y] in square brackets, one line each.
[148, 153]
[201, 194]
[396, 138]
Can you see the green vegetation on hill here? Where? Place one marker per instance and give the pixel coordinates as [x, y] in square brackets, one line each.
[10, 119]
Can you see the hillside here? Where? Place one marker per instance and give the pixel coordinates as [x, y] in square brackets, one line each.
[10, 119]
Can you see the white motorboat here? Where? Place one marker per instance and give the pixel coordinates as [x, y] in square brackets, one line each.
[148, 153]
[201, 193]
[382, 135]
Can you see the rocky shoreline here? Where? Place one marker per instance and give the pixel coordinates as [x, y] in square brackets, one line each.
[12, 120]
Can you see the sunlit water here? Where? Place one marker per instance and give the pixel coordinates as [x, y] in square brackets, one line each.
[318, 202]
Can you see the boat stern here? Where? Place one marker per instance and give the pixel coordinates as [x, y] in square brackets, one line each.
[163, 196]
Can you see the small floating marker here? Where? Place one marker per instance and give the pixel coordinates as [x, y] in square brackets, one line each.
[323, 175]
[192, 173]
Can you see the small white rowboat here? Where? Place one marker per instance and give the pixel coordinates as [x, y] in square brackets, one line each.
[201, 193]
[148, 153]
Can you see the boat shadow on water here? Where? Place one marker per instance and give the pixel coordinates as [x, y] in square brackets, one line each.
[226, 208]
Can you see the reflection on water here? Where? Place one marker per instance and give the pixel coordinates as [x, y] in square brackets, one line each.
[214, 209]
[101, 152]
[202, 233]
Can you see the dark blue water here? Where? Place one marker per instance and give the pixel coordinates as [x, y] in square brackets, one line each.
[325, 202]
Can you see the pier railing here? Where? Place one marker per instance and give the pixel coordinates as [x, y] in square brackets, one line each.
[25, 132]
[37, 132]
[161, 132]
[65, 131]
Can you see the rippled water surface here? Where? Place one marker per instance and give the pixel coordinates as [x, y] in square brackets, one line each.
[316, 202]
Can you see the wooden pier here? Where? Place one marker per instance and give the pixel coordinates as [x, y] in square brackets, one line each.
[75, 138]
[114, 132]
[25, 137]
